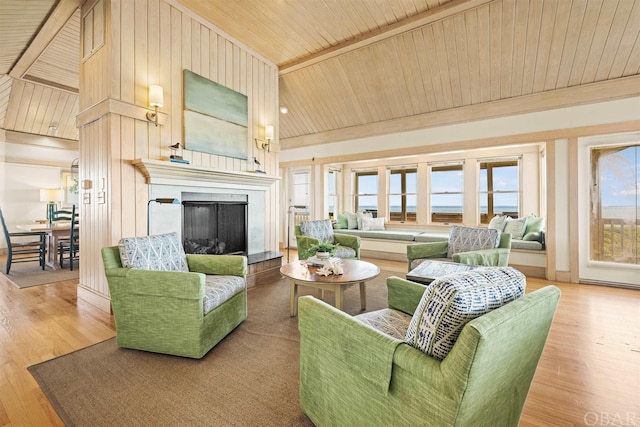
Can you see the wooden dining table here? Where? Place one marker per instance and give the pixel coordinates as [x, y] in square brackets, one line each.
[54, 232]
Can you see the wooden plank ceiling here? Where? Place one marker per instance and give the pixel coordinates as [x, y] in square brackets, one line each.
[351, 64]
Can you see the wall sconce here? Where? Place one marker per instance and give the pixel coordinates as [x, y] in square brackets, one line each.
[267, 142]
[163, 201]
[52, 196]
[156, 100]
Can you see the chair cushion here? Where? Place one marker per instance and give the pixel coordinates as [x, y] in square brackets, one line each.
[319, 229]
[388, 321]
[345, 252]
[464, 239]
[416, 262]
[219, 289]
[162, 252]
[450, 302]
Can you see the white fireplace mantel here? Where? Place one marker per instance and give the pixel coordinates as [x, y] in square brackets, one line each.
[165, 172]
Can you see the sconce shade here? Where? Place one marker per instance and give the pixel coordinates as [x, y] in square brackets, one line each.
[268, 132]
[156, 96]
[51, 195]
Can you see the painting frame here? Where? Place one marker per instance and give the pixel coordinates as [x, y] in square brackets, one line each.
[69, 183]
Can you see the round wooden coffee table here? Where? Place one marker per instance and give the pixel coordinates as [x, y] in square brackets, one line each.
[355, 271]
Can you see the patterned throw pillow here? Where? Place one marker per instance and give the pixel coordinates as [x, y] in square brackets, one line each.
[162, 252]
[498, 222]
[372, 224]
[360, 216]
[515, 227]
[451, 302]
[319, 229]
[464, 239]
[352, 220]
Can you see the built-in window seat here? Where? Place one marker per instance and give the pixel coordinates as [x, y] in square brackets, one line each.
[528, 256]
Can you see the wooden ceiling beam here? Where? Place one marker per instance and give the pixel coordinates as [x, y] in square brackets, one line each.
[449, 9]
[58, 18]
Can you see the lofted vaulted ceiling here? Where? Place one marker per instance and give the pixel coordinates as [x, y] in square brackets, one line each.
[352, 68]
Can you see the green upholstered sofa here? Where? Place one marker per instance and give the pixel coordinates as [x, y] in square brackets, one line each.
[493, 257]
[164, 311]
[349, 246]
[352, 374]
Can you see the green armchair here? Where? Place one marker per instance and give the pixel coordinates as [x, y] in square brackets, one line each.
[352, 374]
[309, 233]
[490, 257]
[183, 313]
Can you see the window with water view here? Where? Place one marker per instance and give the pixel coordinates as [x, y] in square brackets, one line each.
[447, 184]
[366, 191]
[403, 195]
[499, 189]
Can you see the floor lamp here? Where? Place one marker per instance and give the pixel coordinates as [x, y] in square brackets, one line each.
[289, 226]
[161, 200]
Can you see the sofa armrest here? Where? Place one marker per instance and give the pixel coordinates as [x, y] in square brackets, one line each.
[304, 243]
[230, 265]
[404, 295]
[168, 284]
[427, 250]
[330, 338]
[498, 257]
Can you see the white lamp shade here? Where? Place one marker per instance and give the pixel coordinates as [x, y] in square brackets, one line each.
[268, 132]
[51, 195]
[156, 96]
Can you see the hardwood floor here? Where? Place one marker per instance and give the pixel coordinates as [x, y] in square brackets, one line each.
[589, 373]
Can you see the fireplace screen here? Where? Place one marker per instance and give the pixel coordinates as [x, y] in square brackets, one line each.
[214, 227]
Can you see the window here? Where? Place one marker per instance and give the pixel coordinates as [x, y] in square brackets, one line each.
[447, 185]
[403, 195]
[366, 192]
[333, 192]
[301, 186]
[499, 189]
[615, 204]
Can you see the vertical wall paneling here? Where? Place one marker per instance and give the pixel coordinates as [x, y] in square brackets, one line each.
[151, 42]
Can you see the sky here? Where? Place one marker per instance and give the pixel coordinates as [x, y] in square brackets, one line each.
[620, 178]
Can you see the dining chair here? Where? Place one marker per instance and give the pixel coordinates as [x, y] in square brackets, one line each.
[62, 215]
[20, 250]
[70, 248]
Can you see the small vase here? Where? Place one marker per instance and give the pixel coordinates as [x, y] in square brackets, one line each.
[323, 255]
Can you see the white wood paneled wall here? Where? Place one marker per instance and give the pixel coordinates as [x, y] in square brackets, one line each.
[151, 42]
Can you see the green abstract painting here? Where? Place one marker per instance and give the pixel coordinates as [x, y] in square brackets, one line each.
[215, 118]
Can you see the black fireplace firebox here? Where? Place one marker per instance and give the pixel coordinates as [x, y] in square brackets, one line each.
[215, 227]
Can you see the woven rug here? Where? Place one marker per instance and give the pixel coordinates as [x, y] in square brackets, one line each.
[25, 275]
[249, 379]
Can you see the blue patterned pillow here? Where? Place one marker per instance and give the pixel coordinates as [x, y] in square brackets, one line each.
[464, 239]
[451, 302]
[162, 252]
[320, 229]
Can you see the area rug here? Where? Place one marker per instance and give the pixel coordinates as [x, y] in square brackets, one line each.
[29, 274]
[249, 379]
